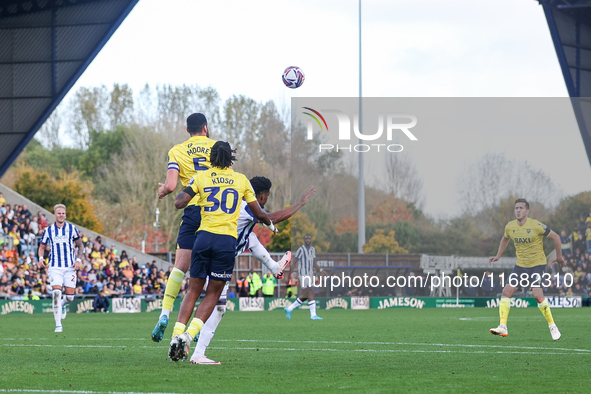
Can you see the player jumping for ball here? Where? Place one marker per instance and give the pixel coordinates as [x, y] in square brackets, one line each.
[248, 240]
[219, 192]
[527, 235]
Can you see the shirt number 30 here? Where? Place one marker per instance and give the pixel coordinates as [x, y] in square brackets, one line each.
[223, 203]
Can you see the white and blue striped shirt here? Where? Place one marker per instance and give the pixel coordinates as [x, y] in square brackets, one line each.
[246, 222]
[306, 258]
[61, 245]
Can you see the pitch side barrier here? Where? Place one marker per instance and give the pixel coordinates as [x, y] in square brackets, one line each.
[138, 305]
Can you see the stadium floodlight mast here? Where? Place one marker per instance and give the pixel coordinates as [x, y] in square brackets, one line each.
[361, 181]
[157, 226]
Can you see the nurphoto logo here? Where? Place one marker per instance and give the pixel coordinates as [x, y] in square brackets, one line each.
[394, 125]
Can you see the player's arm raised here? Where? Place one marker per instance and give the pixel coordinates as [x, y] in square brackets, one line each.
[164, 189]
[557, 245]
[286, 213]
[502, 247]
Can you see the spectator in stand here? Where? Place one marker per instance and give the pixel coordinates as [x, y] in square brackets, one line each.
[565, 244]
[15, 238]
[25, 211]
[588, 237]
[579, 245]
[35, 225]
[2, 199]
[18, 287]
[42, 222]
[9, 214]
[101, 303]
[137, 288]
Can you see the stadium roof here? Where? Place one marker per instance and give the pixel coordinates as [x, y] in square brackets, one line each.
[570, 26]
[45, 45]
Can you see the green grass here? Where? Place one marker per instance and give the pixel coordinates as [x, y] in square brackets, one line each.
[391, 350]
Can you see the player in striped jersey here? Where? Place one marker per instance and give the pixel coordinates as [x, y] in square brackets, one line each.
[248, 240]
[61, 239]
[184, 161]
[219, 190]
[306, 256]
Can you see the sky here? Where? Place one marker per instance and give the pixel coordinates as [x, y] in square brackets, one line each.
[427, 48]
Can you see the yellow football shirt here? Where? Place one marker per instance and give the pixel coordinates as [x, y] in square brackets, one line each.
[190, 157]
[528, 240]
[219, 193]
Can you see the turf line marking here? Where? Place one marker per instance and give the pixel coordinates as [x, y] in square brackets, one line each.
[407, 344]
[309, 349]
[76, 391]
[314, 342]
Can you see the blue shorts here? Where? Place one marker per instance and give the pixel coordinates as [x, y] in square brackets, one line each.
[213, 256]
[189, 225]
[529, 277]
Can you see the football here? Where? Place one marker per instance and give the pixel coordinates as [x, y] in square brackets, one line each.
[293, 77]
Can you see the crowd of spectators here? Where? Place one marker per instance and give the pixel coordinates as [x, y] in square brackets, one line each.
[104, 268]
[576, 249]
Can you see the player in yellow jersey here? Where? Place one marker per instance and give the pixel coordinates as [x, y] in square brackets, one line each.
[219, 191]
[184, 161]
[528, 235]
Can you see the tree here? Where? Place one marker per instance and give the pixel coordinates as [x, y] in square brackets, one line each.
[494, 177]
[281, 241]
[45, 191]
[568, 212]
[126, 185]
[404, 182]
[102, 147]
[48, 134]
[383, 243]
[88, 112]
[120, 111]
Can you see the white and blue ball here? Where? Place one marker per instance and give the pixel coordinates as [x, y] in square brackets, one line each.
[293, 77]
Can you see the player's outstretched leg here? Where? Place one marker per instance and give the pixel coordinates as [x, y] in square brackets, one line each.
[206, 335]
[173, 287]
[283, 263]
[57, 309]
[261, 254]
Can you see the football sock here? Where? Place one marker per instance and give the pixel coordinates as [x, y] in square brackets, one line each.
[264, 257]
[195, 326]
[295, 304]
[173, 286]
[545, 309]
[57, 306]
[178, 329]
[312, 305]
[504, 307]
[208, 330]
[67, 298]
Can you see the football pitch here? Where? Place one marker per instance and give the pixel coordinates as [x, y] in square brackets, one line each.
[371, 351]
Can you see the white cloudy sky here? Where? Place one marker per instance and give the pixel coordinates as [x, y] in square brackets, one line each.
[427, 48]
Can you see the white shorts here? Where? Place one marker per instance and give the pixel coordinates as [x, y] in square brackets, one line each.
[253, 240]
[224, 294]
[62, 277]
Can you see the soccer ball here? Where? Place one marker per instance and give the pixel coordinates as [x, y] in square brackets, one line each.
[293, 77]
